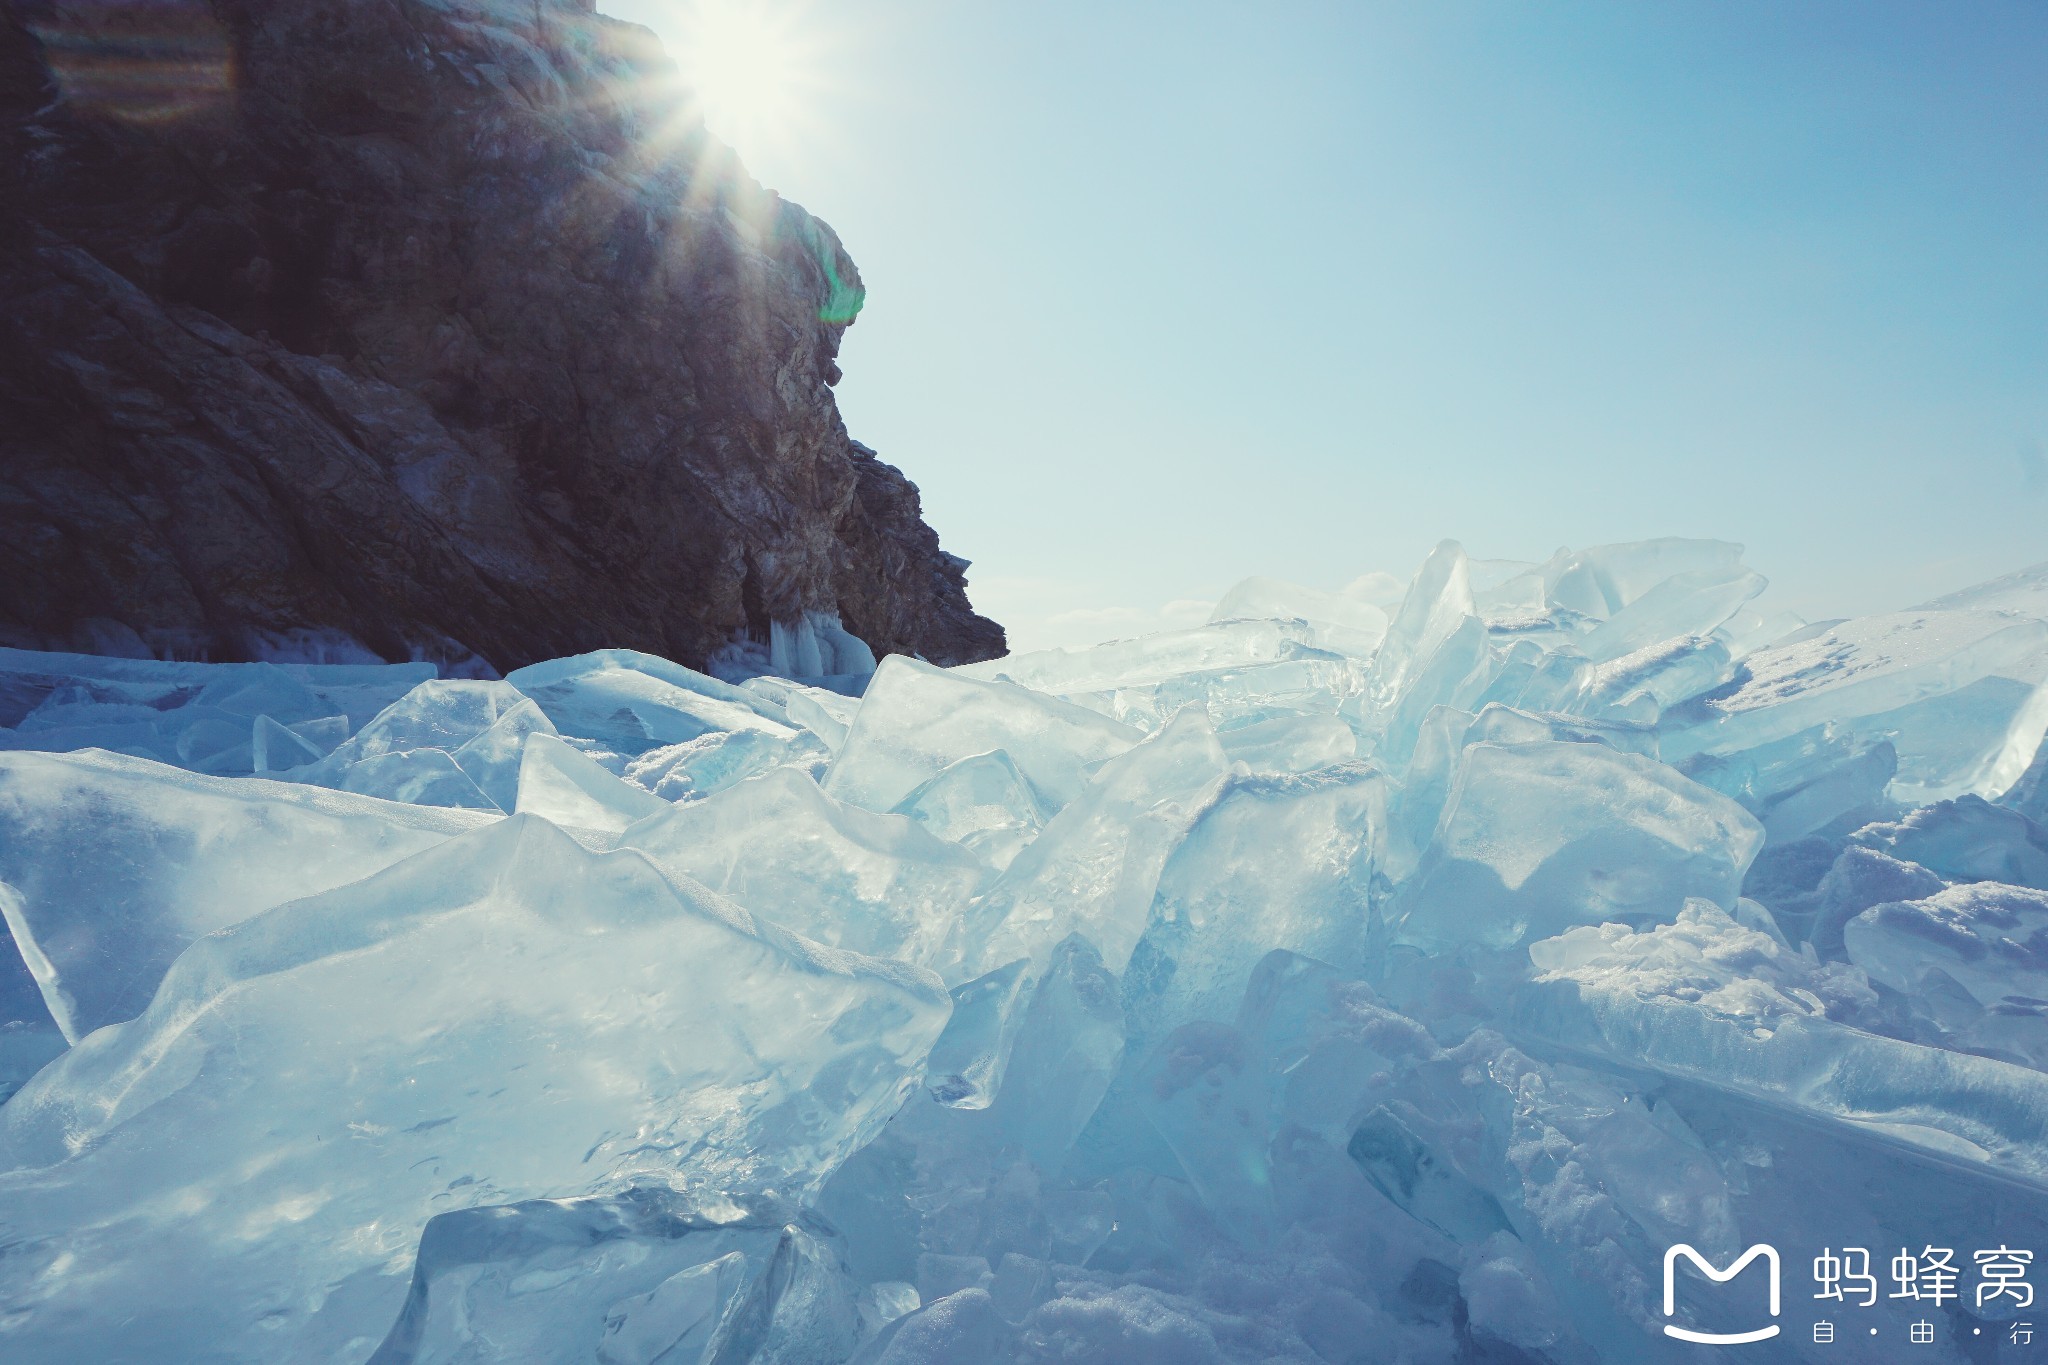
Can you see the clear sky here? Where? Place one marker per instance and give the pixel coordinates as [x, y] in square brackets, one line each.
[1163, 295]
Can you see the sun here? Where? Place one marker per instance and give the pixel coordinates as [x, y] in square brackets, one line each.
[753, 67]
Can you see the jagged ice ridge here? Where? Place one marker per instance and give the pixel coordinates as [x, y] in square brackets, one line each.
[1323, 984]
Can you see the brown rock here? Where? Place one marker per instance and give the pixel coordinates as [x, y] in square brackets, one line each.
[440, 328]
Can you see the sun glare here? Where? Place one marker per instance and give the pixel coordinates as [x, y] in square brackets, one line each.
[752, 66]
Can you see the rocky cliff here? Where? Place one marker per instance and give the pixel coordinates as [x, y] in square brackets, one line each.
[427, 328]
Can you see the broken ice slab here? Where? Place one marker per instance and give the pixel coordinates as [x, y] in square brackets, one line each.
[1813, 887]
[1990, 939]
[491, 760]
[1967, 839]
[559, 783]
[1279, 740]
[1439, 749]
[1308, 684]
[417, 777]
[982, 803]
[825, 713]
[1096, 865]
[1945, 688]
[275, 748]
[621, 1278]
[1150, 659]
[247, 1167]
[1537, 837]
[1068, 1043]
[1537, 677]
[1603, 580]
[110, 866]
[967, 1063]
[1684, 605]
[2029, 792]
[1034, 1044]
[28, 678]
[710, 763]
[915, 720]
[1654, 679]
[1288, 862]
[1349, 625]
[1804, 782]
[837, 874]
[1707, 1000]
[441, 714]
[632, 1279]
[1437, 606]
[634, 702]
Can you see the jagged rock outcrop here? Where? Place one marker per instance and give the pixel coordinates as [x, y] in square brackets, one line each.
[436, 328]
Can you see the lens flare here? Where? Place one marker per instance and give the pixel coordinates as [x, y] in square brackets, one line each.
[752, 67]
[139, 61]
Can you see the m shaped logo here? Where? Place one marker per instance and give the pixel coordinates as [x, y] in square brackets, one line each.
[1770, 1257]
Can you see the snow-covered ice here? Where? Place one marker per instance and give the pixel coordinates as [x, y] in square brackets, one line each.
[1358, 976]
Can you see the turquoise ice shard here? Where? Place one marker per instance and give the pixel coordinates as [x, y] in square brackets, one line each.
[1797, 785]
[635, 702]
[491, 759]
[440, 714]
[1705, 998]
[824, 713]
[1945, 688]
[1435, 628]
[915, 720]
[1537, 837]
[980, 802]
[1279, 741]
[1095, 867]
[636, 1279]
[1989, 939]
[710, 763]
[110, 866]
[197, 715]
[1686, 604]
[407, 752]
[968, 1061]
[1148, 660]
[568, 787]
[1347, 624]
[1070, 1038]
[1966, 840]
[418, 777]
[840, 875]
[628, 1278]
[1644, 684]
[1438, 601]
[1604, 580]
[274, 747]
[247, 1167]
[1036, 1044]
[1288, 862]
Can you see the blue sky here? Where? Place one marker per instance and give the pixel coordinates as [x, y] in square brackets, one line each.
[1161, 296]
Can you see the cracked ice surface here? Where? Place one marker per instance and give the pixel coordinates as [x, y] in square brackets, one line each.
[1351, 978]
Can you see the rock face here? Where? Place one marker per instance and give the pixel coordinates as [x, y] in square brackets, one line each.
[422, 328]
